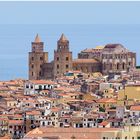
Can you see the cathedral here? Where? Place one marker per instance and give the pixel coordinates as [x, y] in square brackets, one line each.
[112, 58]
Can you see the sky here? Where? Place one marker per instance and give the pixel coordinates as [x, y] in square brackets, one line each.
[85, 24]
[70, 12]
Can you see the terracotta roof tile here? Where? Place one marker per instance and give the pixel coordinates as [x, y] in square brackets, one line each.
[135, 108]
[104, 123]
[16, 122]
[41, 82]
[107, 100]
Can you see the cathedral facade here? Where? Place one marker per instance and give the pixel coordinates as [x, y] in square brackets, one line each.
[116, 58]
[113, 58]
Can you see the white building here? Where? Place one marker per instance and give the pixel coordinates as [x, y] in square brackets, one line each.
[104, 86]
[120, 111]
[135, 110]
[35, 86]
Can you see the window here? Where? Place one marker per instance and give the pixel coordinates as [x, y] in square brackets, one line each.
[57, 66]
[32, 66]
[57, 58]
[40, 87]
[32, 58]
[67, 58]
[10, 126]
[123, 66]
[67, 66]
[117, 66]
[43, 123]
[31, 86]
[111, 66]
[40, 73]
[112, 123]
[32, 73]
[125, 97]
[41, 58]
[90, 119]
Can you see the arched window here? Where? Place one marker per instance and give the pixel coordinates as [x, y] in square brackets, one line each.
[43, 123]
[117, 66]
[104, 66]
[111, 66]
[123, 66]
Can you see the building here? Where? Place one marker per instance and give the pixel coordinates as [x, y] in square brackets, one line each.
[35, 86]
[37, 58]
[93, 53]
[62, 57]
[116, 58]
[113, 58]
[16, 128]
[84, 133]
[87, 65]
[127, 94]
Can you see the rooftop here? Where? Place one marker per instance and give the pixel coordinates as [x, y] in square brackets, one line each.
[135, 108]
[37, 39]
[85, 61]
[63, 38]
[41, 82]
[68, 133]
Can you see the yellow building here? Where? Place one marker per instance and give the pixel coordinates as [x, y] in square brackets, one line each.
[107, 102]
[130, 94]
[109, 93]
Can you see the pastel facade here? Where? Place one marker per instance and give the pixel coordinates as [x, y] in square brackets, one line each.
[35, 86]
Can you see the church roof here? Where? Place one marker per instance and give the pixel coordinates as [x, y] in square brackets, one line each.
[63, 38]
[112, 45]
[85, 61]
[115, 48]
[37, 39]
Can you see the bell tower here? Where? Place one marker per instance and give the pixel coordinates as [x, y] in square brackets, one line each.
[62, 57]
[37, 57]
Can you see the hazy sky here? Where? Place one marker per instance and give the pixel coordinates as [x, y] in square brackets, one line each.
[70, 12]
[86, 25]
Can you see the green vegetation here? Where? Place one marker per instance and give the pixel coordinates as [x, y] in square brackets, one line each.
[102, 109]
